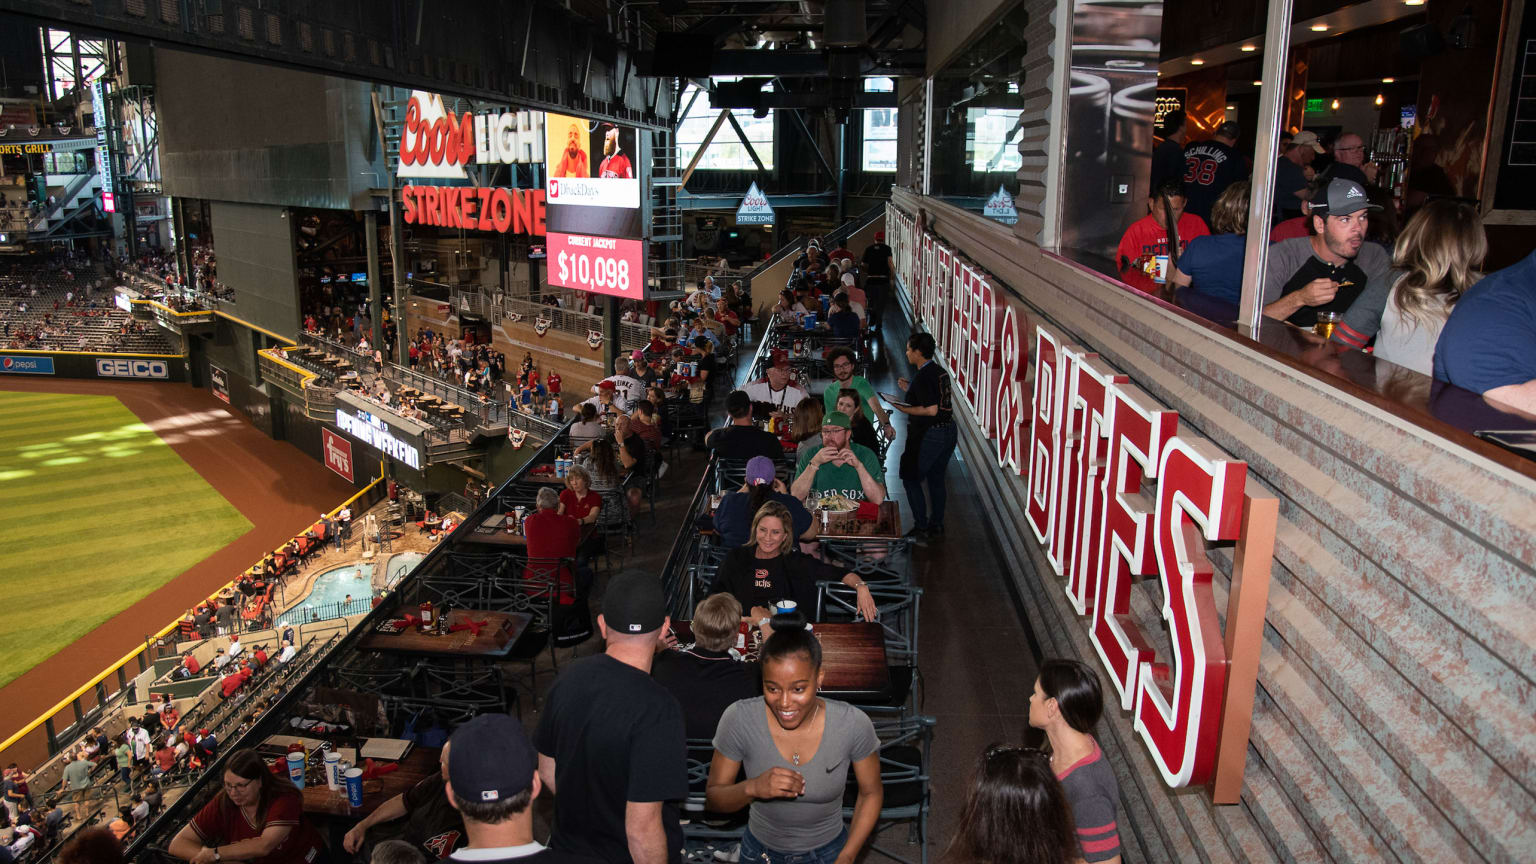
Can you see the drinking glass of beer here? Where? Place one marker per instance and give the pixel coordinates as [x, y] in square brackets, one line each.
[1326, 321]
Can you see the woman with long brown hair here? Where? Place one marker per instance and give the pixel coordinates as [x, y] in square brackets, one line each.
[1015, 812]
[1438, 255]
[256, 818]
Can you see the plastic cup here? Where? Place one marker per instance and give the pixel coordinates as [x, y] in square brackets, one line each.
[355, 787]
[1160, 276]
[332, 764]
[296, 762]
[783, 606]
[520, 513]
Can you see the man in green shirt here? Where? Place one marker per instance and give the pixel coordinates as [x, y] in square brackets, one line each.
[77, 779]
[843, 361]
[839, 466]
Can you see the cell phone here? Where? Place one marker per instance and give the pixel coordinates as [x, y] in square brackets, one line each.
[1522, 441]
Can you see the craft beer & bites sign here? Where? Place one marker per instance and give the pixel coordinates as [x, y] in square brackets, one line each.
[1088, 443]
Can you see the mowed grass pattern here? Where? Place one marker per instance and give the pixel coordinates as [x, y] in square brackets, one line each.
[96, 512]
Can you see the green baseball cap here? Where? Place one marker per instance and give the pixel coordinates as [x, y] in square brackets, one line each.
[837, 418]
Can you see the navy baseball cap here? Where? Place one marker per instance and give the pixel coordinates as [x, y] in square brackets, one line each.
[491, 759]
[1341, 198]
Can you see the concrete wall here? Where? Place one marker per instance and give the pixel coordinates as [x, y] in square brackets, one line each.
[1394, 703]
[255, 249]
[237, 131]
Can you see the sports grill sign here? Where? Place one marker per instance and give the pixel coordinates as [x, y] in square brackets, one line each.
[1116, 491]
[338, 453]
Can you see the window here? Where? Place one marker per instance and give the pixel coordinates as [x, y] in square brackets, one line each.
[992, 143]
[879, 129]
[725, 152]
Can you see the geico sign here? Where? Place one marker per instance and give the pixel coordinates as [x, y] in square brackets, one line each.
[1116, 491]
[132, 369]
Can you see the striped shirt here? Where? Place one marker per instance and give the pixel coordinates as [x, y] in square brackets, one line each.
[1092, 790]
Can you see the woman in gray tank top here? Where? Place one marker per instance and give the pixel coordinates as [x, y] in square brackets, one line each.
[797, 748]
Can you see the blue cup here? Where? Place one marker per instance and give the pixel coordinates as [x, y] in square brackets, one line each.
[355, 787]
[296, 762]
[782, 606]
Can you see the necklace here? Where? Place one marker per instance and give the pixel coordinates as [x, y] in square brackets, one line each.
[794, 757]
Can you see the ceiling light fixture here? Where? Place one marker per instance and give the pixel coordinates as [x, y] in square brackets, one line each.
[1319, 28]
[1413, 2]
[1258, 83]
[1250, 48]
[1197, 62]
[1231, 107]
[1335, 105]
[1379, 100]
[1388, 80]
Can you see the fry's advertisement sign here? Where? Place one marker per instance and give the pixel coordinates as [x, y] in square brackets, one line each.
[1116, 492]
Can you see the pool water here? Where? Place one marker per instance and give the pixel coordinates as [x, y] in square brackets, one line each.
[400, 565]
[330, 592]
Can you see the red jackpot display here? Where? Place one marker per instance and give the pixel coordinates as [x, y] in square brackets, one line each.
[601, 265]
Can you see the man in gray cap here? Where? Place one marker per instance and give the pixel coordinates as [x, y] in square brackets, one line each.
[611, 740]
[1293, 171]
[1333, 270]
[492, 774]
[1210, 167]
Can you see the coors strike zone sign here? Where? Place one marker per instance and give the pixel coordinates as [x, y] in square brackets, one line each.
[1116, 492]
[439, 145]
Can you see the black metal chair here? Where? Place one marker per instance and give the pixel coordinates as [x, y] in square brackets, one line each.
[704, 832]
[906, 746]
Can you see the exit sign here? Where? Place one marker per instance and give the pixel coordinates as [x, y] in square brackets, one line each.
[1316, 106]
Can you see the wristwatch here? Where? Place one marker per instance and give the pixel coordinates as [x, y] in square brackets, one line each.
[216, 855]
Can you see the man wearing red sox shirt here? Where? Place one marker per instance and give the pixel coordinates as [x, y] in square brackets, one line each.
[1147, 237]
[615, 163]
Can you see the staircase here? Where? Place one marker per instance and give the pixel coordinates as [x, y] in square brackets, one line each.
[79, 192]
[666, 276]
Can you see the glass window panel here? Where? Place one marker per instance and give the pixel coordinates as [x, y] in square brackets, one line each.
[726, 152]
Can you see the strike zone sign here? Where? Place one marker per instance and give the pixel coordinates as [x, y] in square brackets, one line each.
[1118, 491]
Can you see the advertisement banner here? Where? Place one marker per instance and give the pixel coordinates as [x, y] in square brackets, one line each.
[103, 153]
[220, 383]
[602, 265]
[26, 365]
[338, 453]
[391, 435]
[129, 367]
[754, 209]
[436, 144]
[592, 183]
[475, 208]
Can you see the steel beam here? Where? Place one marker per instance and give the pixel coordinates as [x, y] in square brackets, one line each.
[741, 133]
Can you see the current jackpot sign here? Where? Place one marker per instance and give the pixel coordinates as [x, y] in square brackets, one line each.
[602, 265]
[1117, 491]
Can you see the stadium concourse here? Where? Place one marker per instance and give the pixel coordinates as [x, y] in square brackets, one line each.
[272, 484]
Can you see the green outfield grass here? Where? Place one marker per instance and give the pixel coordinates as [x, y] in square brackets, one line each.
[95, 513]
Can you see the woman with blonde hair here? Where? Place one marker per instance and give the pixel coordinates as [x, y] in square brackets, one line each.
[1437, 255]
[1211, 267]
[768, 570]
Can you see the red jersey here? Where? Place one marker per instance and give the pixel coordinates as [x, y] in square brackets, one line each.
[1145, 237]
[1289, 229]
[616, 167]
[578, 508]
[554, 383]
[221, 823]
[553, 535]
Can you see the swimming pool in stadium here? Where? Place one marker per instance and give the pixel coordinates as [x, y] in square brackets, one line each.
[328, 596]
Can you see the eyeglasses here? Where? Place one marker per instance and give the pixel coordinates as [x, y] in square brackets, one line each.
[241, 786]
[1347, 149]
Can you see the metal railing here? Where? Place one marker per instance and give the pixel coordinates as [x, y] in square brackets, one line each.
[631, 334]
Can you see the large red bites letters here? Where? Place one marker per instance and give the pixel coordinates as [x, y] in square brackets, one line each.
[1138, 428]
[1179, 699]
[1044, 452]
[1085, 424]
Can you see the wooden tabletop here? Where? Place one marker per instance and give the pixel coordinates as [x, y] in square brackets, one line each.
[496, 638]
[419, 764]
[853, 656]
[885, 526]
[493, 532]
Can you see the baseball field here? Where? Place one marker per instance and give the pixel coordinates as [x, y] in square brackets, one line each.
[96, 512]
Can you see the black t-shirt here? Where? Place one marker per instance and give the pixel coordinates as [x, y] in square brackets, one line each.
[1209, 168]
[432, 825]
[930, 386]
[711, 364]
[705, 684]
[635, 445]
[1167, 161]
[877, 260]
[763, 581]
[744, 442]
[1351, 281]
[543, 856]
[615, 736]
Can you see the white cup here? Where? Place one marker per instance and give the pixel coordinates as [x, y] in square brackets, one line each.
[332, 775]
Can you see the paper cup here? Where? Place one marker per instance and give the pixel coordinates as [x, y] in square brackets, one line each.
[783, 606]
[355, 787]
[332, 766]
[296, 768]
[1160, 275]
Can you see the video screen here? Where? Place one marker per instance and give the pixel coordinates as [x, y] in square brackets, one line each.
[592, 183]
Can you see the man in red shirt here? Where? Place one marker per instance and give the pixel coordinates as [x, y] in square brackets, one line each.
[553, 383]
[1147, 237]
[552, 536]
[615, 163]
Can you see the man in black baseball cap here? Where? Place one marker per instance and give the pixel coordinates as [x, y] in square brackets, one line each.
[492, 773]
[1333, 270]
[611, 740]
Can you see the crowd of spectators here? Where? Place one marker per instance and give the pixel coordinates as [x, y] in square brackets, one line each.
[65, 303]
[1337, 252]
